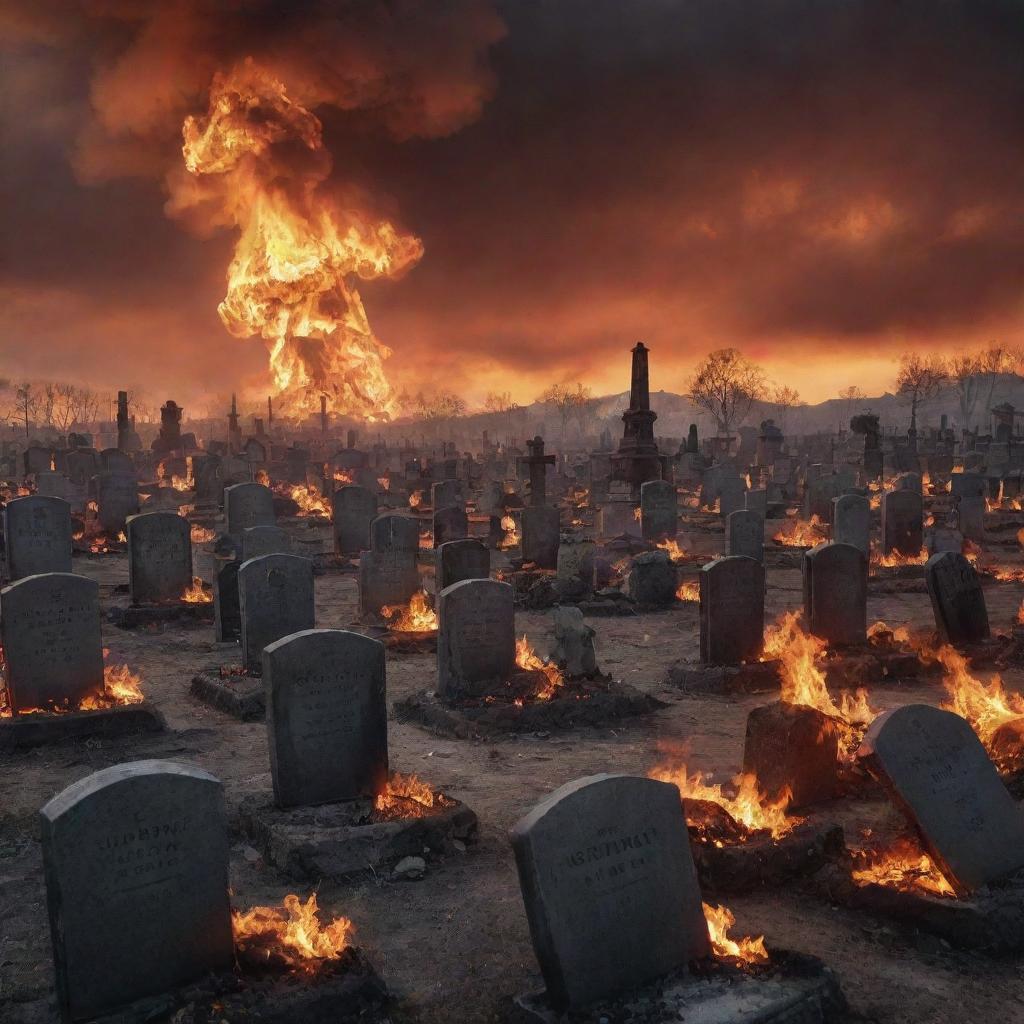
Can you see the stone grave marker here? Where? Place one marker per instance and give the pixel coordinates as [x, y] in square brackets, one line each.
[136, 865]
[459, 560]
[445, 494]
[326, 717]
[117, 498]
[265, 540]
[902, 522]
[159, 557]
[388, 573]
[450, 523]
[659, 511]
[275, 597]
[227, 616]
[971, 517]
[610, 887]
[541, 533]
[731, 495]
[851, 522]
[573, 649]
[37, 536]
[246, 505]
[958, 601]
[756, 500]
[476, 644]
[353, 508]
[835, 581]
[731, 610]
[968, 485]
[745, 534]
[652, 579]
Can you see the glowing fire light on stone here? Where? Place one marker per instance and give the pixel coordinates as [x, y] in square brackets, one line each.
[292, 934]
[720, 920]
[895, 560]
[689, 591]
[415, 499]
[675, 552]
[802, 533]
[528, 660]
[403, 790]
[903, 866]
[415, 617]
[293, 276]
[197, 593]
[202, 534]
[511, 538]
[309, 499]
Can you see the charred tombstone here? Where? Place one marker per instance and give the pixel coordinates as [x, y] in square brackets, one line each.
[902, 522]
[247, 505]
[851, 522]
[353, 508]
[449, 524]
[958, 602]
[745, 534]
[159, 557]
[459, 560]
[731, 610]
[275, 600]
[659, 513]
[388, 572]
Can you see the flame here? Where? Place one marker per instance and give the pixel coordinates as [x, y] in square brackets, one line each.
[186, 510]
[716, 507]
[688, 590]
[675, 552]
[511, 538]
[881, 635]
[342, 477]
[875, 502]
[263, 477]
[293, 934]
[197, 594]
[803, 683]
[749, 807]
[384, 483]
[894, 559]
[802, 533]
[1020, 536]
[309, 499]
[638, 514]
[120, 686]
[528, 659]
[1004, 574]
[720, 920]
[401, 789]
[292, 278]
[903, 866]
[415, 617]
[415, 499]
[202, 534]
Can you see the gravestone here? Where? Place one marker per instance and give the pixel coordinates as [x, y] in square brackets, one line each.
[265, 540]
[756, 500]
[113, 460]
[275, 598]
[388, 573]
[610, 887]
[818, 498]
[50, 632]
[159, 557]
[136, 865]
[958, 602]
[659, 512]
[37, 536]
[573, 650]
[574, 567]
[902, 522]
[459, 560]
[652, 579]
[327, 717]
[745, 534]
[835, 581]
[938, 774]
[971, 517]
[445, 494]
[353, 508]
[246, 505]
[541, 532]
[851, 522]
[476, 644]
[731, 610]
[117, 498]
[968, 485]
[731, 495]
[450, 523]
[227, 616]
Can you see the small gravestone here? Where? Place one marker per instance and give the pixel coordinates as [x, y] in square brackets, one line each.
[445, 494]
[937, 772]
[731, 610]
[541, 531]
[37, 536]
[159, 557]
[459, 560]
[610, 887]
[275, 594]
[958, 601]
[659, 512]
[388, 573]
[818, 498]
[971, 517]
[968, 485]
[136, 866]
[353, 508]
[265, 540]
[835, 580]
[731, 495]
[573, 650]
[574, 568]
[50, 631]
[756, 500]
[851, 522]
[476, 644]
[902, 529]
[246, 505]
[652, 579]
[449, 523]
[326, 717]
[117, 498]
[745, 534]
[227, 616]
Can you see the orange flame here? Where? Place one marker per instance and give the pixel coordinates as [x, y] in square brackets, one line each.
[882, 635]
[512, 537]
[292, 276]
[675, 552]
[528, 660]
[197, 594]
[894, 559]
[415, 499]
[120, 686]
[903, 866]
[720, 920]
[202, 534]
[415, 617]
[309, 499]
[342, 477]
[802, 533]
[401, 789]
[689, 591]
[293, 934]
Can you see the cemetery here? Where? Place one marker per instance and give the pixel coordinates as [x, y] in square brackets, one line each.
[511, 513]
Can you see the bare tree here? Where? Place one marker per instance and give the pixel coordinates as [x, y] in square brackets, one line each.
[781, 399]
[918, 381]
[851, 397]
[502, 403]
[726, 385]
[976, 373]
[27, 402]
[568, 400]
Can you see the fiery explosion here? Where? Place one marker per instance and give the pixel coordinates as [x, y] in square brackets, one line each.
[415, 617]
[528, 660]
[903, 866]
[802, 533]
[292, 278]
[292, 936]
[720, 920]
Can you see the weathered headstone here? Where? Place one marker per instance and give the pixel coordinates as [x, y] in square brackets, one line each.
[388, 573]
[851, 522]
[476, 644]
[835, 578]
[610, 887]
[159, 557]
[971, 517]
[731, 495]
[265, 540]
[227, 616]
[247, 505]
[136, 865]
[756, 500]
[275, 594]
[445, 494]
[326, 716]
[541, 532]
[450, 523]
[731, 610]
[573, 648]
[659, 512]
[938, 774]
[50, 631]
[958, 601]
[353, 508]
[459, 560]
[117, 498]
[745, 534]
[37, 536]
[652, 579]
[902, 528]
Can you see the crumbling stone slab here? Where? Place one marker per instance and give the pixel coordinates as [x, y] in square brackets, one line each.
[241, 696]
[38, 730]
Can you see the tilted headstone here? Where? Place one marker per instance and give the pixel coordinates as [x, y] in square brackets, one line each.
[37, 536]
[275, 595]
[902, 528]
[327, 717]
[835, 578]
[449, 523]
[136, 866]
[247, 505]
[159, 557]
[353, 508]
[610, 887]
[265, 540]
[745, 534]
[117, 498]
[958, 602]
[851, 522]
[476, 644]
[459, 560]
[659, 511]
[50, 631]
[938, 774]
[541, 532]
[731, 610]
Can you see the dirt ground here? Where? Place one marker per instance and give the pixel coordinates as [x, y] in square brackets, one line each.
[455, 944]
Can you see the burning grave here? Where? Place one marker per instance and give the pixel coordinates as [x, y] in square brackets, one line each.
[412, 626]
[660, 956]
[56, 685]
[337, 810]
[490, 683]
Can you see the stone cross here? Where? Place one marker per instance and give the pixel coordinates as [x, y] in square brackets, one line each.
[537, 463]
